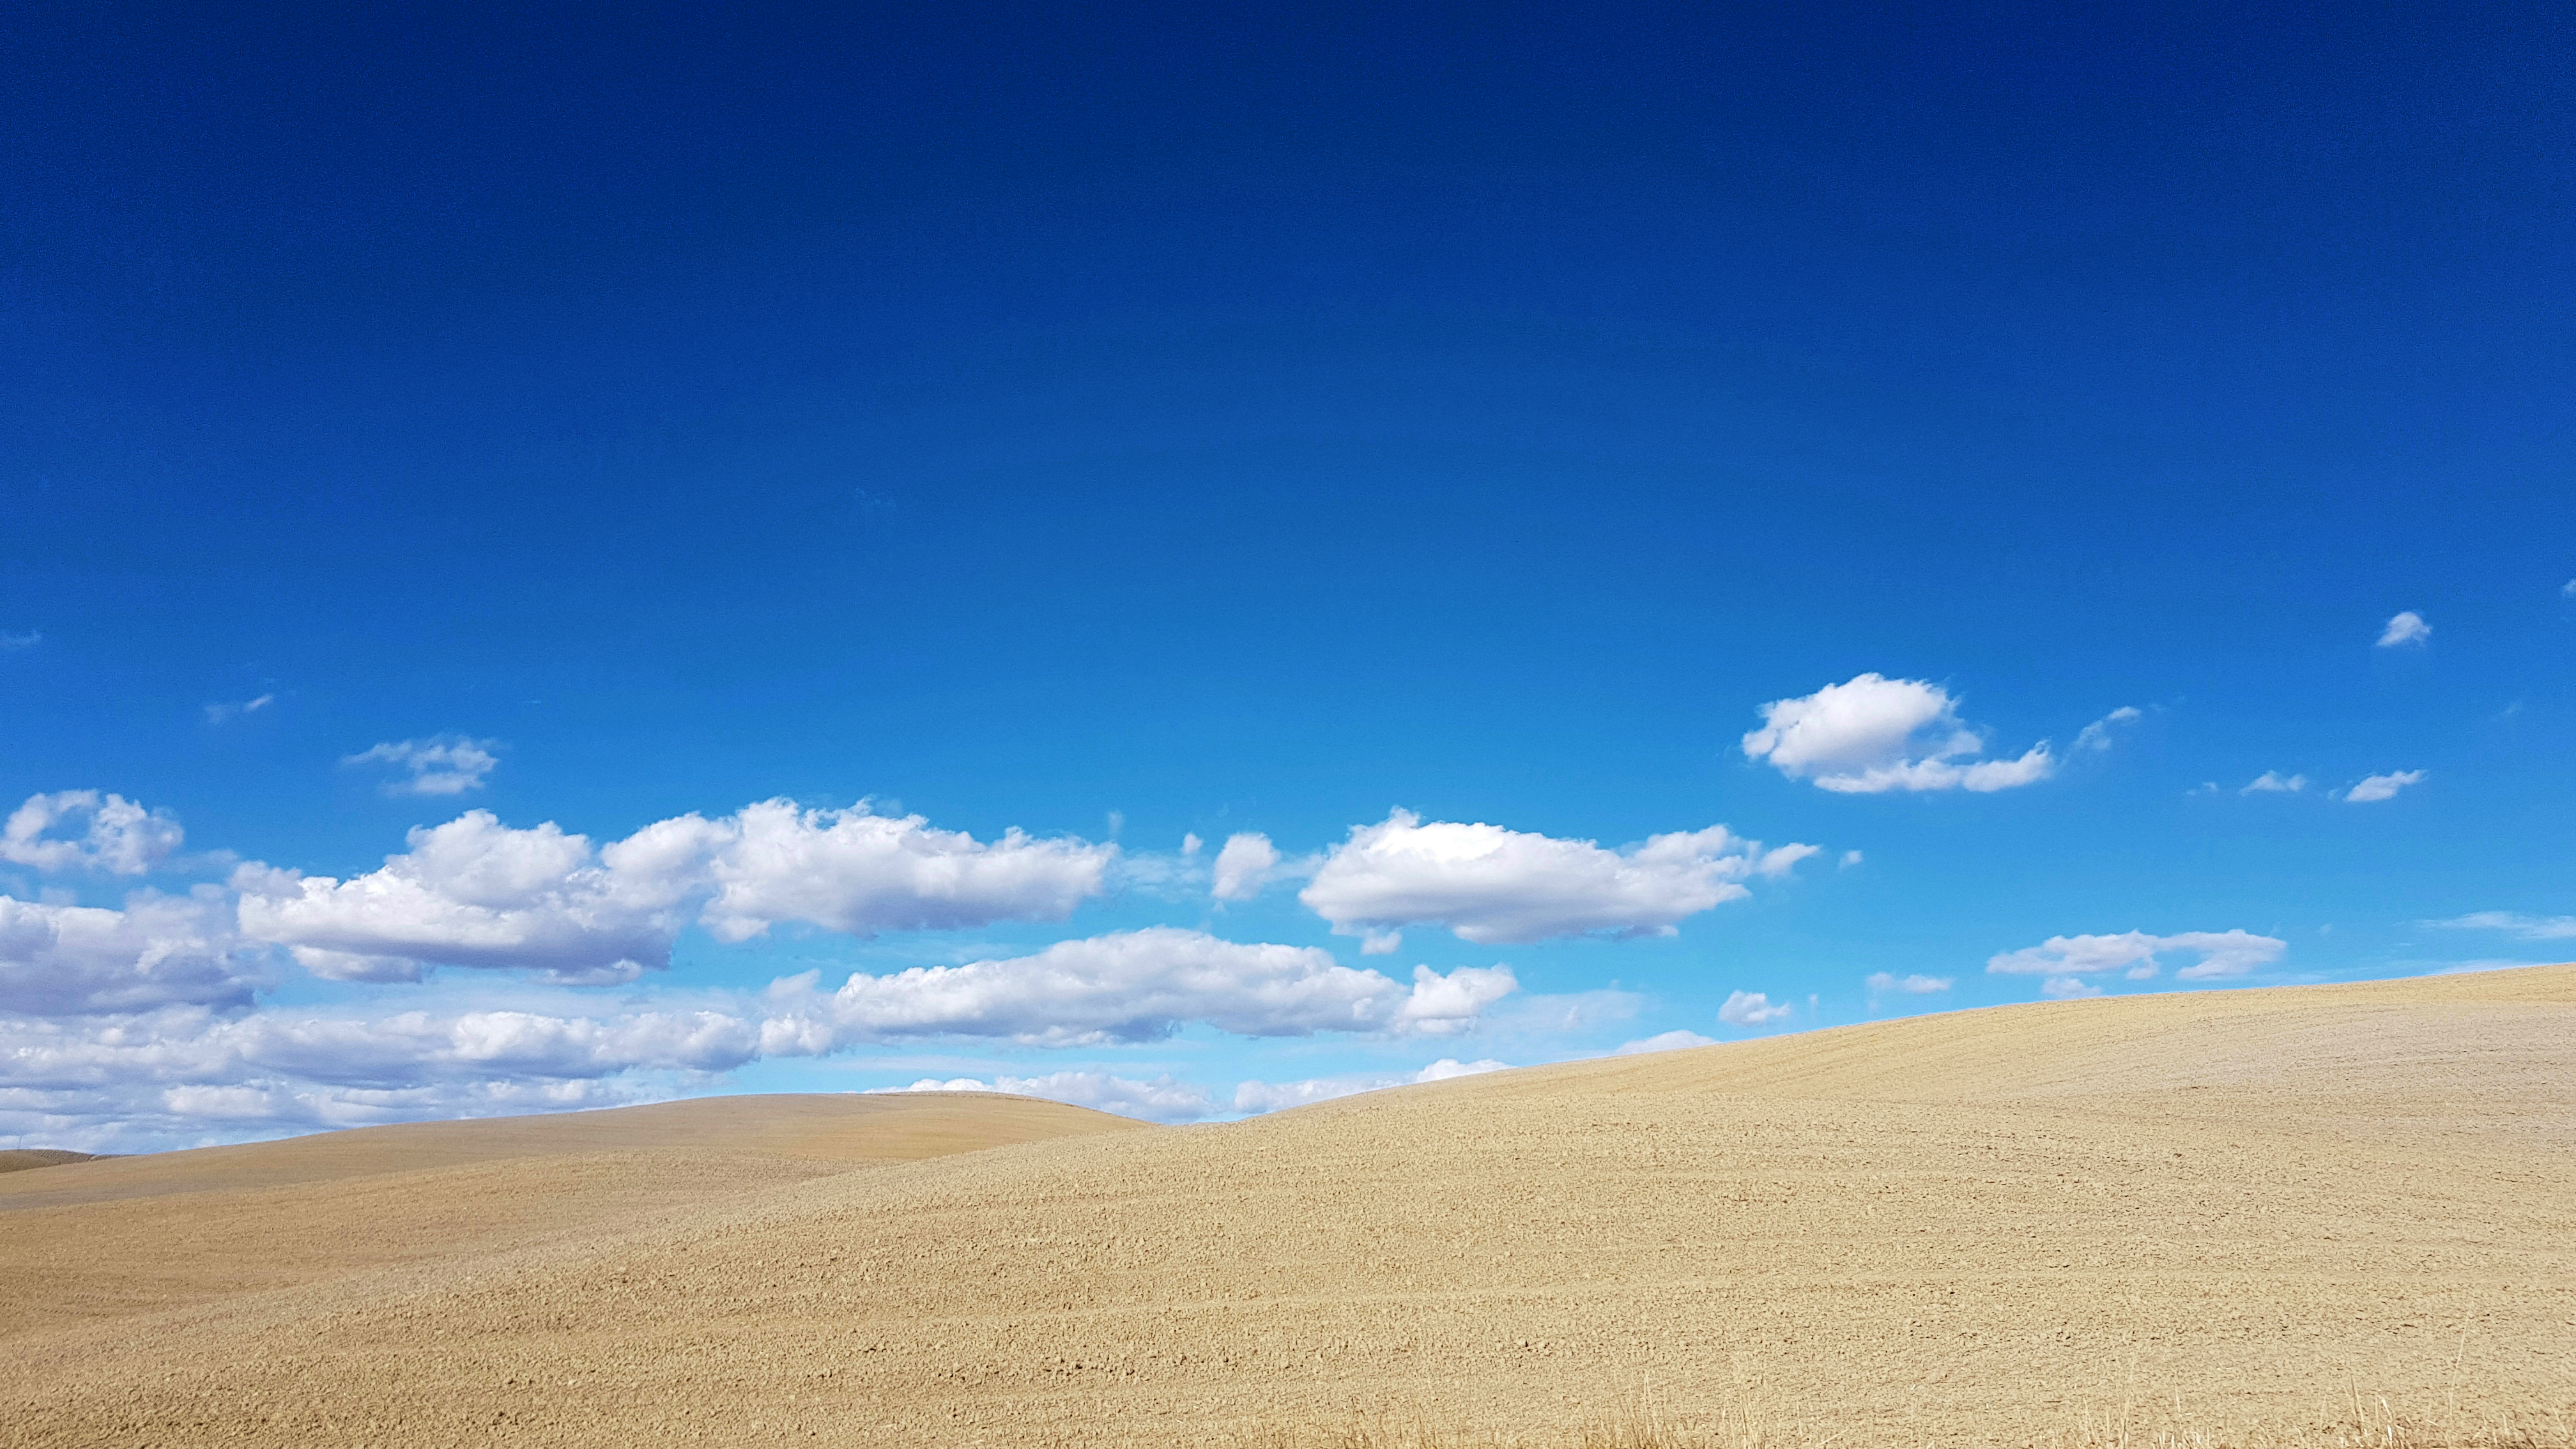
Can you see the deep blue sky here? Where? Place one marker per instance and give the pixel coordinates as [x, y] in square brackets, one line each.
[1240, 419]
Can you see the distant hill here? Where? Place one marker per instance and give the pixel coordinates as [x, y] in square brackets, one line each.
[19, 1159]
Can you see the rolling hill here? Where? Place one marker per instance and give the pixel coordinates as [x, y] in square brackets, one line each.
[2253, 1215]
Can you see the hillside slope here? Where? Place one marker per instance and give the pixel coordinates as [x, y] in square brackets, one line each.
[20, 1159]
[113, 1237]
[2232, 1209]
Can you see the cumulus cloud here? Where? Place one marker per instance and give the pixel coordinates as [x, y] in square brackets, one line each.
[443, 765]
[1882, 983]
[146, 1036]
[82, 830]
[1752, 1008]
[2403, 629]
[1494, 886]
[1165, 1098]
[2274, 782]
[2513, 923]
[1244, 866]
[225, 713]
[1131, 986]
[1872, 734]
[2068, 988]
[862, 873]
[2383, 787]
[1669, 1041]
[477, 893]
[2136, 955]
[190, 1074]
[1271, 1097]
[65, 960]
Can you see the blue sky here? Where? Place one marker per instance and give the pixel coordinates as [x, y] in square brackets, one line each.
[1438, 444]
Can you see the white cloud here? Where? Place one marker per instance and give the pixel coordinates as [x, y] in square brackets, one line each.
[187, 1074]
[477, 893]
[223, 713]
[443, 765]
[2274, 782]
[1445, 1005]
[151, 1041]
[1244, 866]
[1165, 1098]
[1752, 1008]
[138, 1027]
[1851, 858]
[2566, 590]
[83, 830]
[2529, 928]
[2383, 787]
[1872, 734]
[1269, 1097]
[2404, 629]
[1494, 886]
[1882, 983]
[2134, 954]
[854, 871]
[2068, 988]
[1669, 1041]
[64, 960]
[474, 892]
[2097, 735]
[1131, 986]
[11, 643]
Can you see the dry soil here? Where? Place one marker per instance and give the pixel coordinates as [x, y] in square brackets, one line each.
[2232, 1211]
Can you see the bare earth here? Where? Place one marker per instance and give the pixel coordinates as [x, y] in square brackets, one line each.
[2231, 1211]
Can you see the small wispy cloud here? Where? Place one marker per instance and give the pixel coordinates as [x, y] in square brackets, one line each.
[441, 765]
[1752, 1008]
[2404, 628]
[2097, 735]
[11, 643]
[1164, 1098]
[2068, 959]
[2512, 923]
[1669, 1041]
[224, 713]
[2273, 782]
[1882, 983]
[1258, 1096]
[2383, 787]
[1245, 864]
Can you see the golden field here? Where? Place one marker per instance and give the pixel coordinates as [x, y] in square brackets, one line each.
[2336, 1214]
